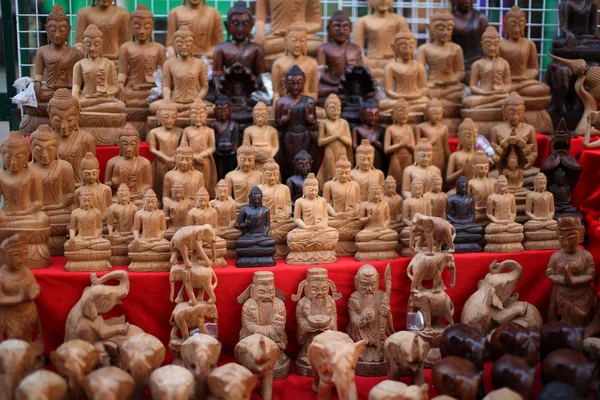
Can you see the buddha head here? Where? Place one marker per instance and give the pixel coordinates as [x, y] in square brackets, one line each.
[462, 185]
[303, 163]
[310, 187]
[123, 194]
[262, 289]
[86, 199]
[375, 192]
[380, 6]
[434, 111]
[389, 186]
[342, 169]
[540, 182]
[467, 134]
[441, 25]
[404, 44]
[184, 158]
[142, 22]
[514, 23]
[129, 142]
[239, 21]
[365, 155]
[245, 157]
[437, 183]
[481, 163]
[183, 42]
[271, 173]
[416, 188]
[15, 249]
[369, 113]
[512, 161]
[294, 81]
[167, 115]
[93, 39]
[202, 198]
[150, 200]
[462, 6]
[423, 153]
[333, 107]
[90, 169]
[502, 185]
[222, 190]
[260, 114]
[198, 113]
[490, 42]
[177, 191]
[570, 234]
[255, 197]
[58, 28]
[514, 109]
[400, 112]
[366, 281]
[15, 152]
[223, 109]
[295, 40]
[44, 145]
[339, 27]
[63, 110]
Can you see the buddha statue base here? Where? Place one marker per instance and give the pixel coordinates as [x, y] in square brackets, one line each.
[283, 367]
[540, 235]
[104, 127]
[311, 257]
[503, 242]
[119, 253]
[376, 250]
[33, 117]
[469, 239]
[347, 228]
[255, 255]
[371, 368]
[303, 368]
[38, 255]
[150, 261]
[88, 260]
[255, 261]
[59, 229]
[309, 247]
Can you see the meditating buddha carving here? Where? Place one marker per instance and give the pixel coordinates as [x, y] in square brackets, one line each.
[226, 216]
[373, 33]
[302, 166]
[244, 177]
[514, 174]
[460, 162]
[412, 205]
[342, 195]
[503, 234]
[202, 21]
[437, 198]
[262, 136]
[365, 174]
[255, 248]
[119, 222]
[176, 209]
[469, 25]
[102, 195]
[183, 173]
[540, 230]
[421, 169]
[437, 133]
[395, 201]
[399, 141]
[203, 214]
[481, 186]
[461, 213]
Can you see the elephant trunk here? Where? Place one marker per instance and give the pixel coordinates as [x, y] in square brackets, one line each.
[452, 269]
[140, 371]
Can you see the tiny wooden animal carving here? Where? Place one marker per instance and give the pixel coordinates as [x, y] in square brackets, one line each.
[42, 385]
[140, 355]
[434, 230]
[171, 382]
[423, 267]
[456, 377]
[108, 383]
[405, 354]
[392, 390]
[17, 359]
[570, 367]
[463, 341]
[259, 354]
[74, 360]
[199, 355]
[559, 335]
[512, 338]
[197, 277]
[231, 382]
[432, 304]
[186, 317]
[514, 373]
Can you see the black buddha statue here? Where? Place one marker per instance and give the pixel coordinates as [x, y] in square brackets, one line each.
[461, 213]
[561, 190]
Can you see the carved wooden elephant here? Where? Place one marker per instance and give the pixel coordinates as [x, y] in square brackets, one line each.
[423, 267]
[139, 356]
[17, 359]
[436, 232]
[432, 305]
[108, 383]
[456, 377]
[42, 385]
[259, 354]
[171, 382]
[514, 373]
[463, 341]
[560, 335]
[186, 316]
[405, 354]
[199, 355]
[392, 390]
[332, 356]
[512, 338]
[197, 277]
[231, 382]
[570, 367]
[74, 360]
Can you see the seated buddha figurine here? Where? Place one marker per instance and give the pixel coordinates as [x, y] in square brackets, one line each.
[503, 234]
[102, 195]
[226, 217]
[437, 133]
[313, 241]
[201, 139]
[255, 248]
[404, 77]
[469, 25]
[203, 214]
[203, 21]
[561, 190]
[540, 230]
[437, 198]
[371, 129]
[395, 201]
[149, 251]
[421, 169]
[416, 203]
[176, 209]
[399, 141]
[460, 162]
[276, 197]
[365, 174]
[376, 241]
[244, 177]
[338, 53]
[184, 173]
[461, 213]
[302, 166]
[445, 61]
[185, 77]
[374, 31]
[119, 221]
[86, 249]
[295, 54]
[139, 59]
[481, 186]
[128, 167]
[514, 175]
[58, 183]
[342, 195]
[23, 195]
[284, 14]
[262, 136]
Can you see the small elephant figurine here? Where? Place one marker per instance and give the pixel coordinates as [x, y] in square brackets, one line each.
[423, 267]
[185, 317]
[197, 277]
[591, 349]
[42, 385]
[17, 359]
[436, 231]
[171, 382]
[139, 356]
[512, 338]
[456, 377]
[334, 354]
[192, 238]
[392, 390]
[74, 360]
[514, 373]
[463, 341]
[199, 354]
[432, 305]
[108, 383]
[560, 335]
[570, 367]
[231, 382]
[259, 354]
[405, 354]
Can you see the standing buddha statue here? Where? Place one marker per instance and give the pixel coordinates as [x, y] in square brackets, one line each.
[469, 25]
